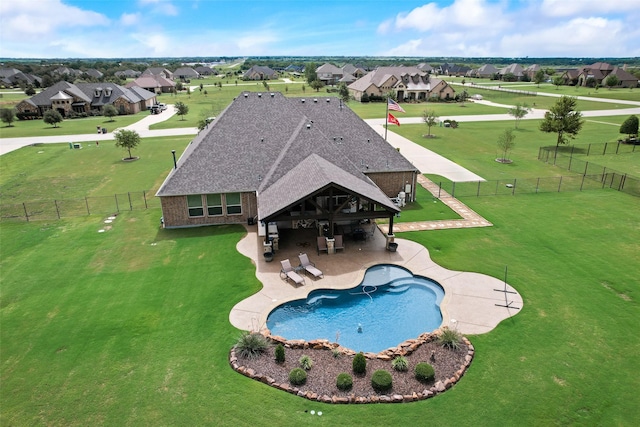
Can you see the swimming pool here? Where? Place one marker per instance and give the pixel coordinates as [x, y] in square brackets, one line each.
[390, 306]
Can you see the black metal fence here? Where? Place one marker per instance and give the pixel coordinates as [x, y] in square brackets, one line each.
[64, 208]
[554, 184]
[566, 158]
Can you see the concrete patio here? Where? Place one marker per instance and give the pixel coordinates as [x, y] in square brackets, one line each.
[470, 302]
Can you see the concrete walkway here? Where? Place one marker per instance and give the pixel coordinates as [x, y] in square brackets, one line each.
[473, 303]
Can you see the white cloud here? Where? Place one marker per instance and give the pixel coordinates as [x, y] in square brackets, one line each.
[129, 19]
[162, 7]
[43, 18]
[461, 14]
[589, 7]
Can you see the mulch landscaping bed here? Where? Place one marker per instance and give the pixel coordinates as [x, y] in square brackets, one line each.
[449, 366]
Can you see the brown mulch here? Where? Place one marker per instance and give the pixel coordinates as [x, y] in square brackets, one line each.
[321, 378]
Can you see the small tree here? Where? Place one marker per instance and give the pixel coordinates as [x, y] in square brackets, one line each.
[30, 91]
[189, 92]
[506, 144]
[343, 91]
[563, 120]
[8, 116]
[52, 117]
[630, 126]
[518, 111]
[317, 85]
[127, 139]
[538, 77]
[430, 118]
[611, 81]
[181, 109]
[558, 81]
[179, 86]
[109, 111]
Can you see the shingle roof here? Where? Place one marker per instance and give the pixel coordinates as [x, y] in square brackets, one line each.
[260, 141]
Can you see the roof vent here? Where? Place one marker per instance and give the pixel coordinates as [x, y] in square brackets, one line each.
[315, 100]
[273, 94]
[368, 140]
[328, 100]
[246, 95]
[259, 95]
[302, 100]
[308, 125]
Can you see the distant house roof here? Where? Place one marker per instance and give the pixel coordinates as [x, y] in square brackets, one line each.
[423, 66]
[92, 72]
[87, 93]
[186, 72]
[203, 70]
[313, 142]
[151, 81]
[127, 73]
[515, 69]
[261, 72]
[487, 70]
[158, 71]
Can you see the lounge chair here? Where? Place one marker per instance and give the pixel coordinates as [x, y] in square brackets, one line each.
[288, 273]
[309, 267]
[322, 245]
[338, 242]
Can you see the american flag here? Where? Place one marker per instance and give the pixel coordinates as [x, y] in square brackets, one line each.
[393, 105]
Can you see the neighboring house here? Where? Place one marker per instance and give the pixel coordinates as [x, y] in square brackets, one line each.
[570, 77]
[12, 77]
[515, 69]
[66, 71]
[329, 74]
[156, 84]
[186, 73]
[486, 71]
[158, 71]
[295, 69]
[127, 74]
[293, 161]
[625, 79]
[531, 71]
[92, 72]
[204, 71]
[409, 83]
[452, 70]
[352, 71]
[423, 66]
[259, 72]
[85, 98]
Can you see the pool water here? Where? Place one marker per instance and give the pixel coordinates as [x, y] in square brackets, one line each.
[390, 306]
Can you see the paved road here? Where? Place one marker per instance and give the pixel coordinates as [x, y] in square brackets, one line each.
[425, 160]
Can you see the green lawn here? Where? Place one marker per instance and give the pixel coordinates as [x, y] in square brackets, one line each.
[26, 128]
[130, 326]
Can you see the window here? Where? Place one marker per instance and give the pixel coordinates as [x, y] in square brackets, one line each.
[214, 204]
[194, 202]
[234, 204]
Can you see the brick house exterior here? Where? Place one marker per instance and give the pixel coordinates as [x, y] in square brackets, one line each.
[269, 158]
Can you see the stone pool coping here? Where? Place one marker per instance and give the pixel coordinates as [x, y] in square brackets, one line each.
[474, 303]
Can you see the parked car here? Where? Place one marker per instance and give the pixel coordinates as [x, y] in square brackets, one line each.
[162, 106]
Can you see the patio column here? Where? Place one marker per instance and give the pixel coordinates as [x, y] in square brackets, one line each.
[390, 225]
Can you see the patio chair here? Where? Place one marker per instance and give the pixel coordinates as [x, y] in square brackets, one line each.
[288, 273]
[338, 242]
[309, 267]
[322, 245]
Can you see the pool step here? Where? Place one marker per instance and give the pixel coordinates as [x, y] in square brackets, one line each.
[321, 297]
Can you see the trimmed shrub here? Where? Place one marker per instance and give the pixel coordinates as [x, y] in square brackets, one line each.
[279, 353]
[359, 364]
[297, 376]
[450, 339]
[381, 381]
[251, 345]
[344, 382]
[400, 363]
[424, 372]
[305, 362]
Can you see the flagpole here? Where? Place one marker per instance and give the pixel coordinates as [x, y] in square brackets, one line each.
[386, 121]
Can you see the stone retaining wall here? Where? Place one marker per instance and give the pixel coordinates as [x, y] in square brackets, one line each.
[404, 349]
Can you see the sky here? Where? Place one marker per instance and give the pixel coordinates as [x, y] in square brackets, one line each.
[441, 28]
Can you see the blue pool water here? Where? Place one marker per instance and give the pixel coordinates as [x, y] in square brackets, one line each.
[390, 306]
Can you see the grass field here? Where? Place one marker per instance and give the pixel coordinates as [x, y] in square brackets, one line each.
[130, 326]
